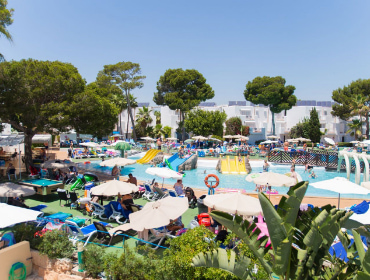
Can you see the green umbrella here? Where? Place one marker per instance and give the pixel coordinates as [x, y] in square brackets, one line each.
[189, 141]
[122, 146]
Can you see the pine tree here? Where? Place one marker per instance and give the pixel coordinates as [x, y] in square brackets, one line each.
[314, 126]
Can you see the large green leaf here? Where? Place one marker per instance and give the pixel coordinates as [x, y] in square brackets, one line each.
[220, 259]
[364, 256]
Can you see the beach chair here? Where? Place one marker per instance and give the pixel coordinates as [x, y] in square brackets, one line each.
[113, 235]
[11, 172]
[159, 194]
[158, 235]
[116, 215]
[149, 193]
[98, 210]
[174, 194]
[73, 197]
[82, 233]
[63, 195]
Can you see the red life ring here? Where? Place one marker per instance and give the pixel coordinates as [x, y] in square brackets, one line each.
[87, 162]
[213, 186]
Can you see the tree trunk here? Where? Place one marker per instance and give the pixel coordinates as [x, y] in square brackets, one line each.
[273, 122]
[120, 130]
[182, 114]
[77, 137]
[128, 121]
[361, 126]
[132, 119]
[367, 125]
[28, 149]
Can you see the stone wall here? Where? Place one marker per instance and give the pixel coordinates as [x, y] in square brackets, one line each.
[218, 166]
[191, 163]
[157, 159]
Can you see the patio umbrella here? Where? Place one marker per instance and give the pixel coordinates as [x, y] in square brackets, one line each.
[172, 138]
[292, 140]
[234, 203]
[117, 135]
[228, 136]
[361, 218]
[329, 141]
[14, 190]
[302, 139]
[340, 185]
[90, 144]
[164, 173]
[117, 161]
[199, 138]
[268, 142]
[57, 164]
[367, 142]
[147, 138]
[271, 179]
[158, 213]
[189, 141]
[355, 142]
[273, 137]
[11, 215]
[113, 187]
[122, 146]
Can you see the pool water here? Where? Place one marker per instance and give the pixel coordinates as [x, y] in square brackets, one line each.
[195, 178]
[42, 182]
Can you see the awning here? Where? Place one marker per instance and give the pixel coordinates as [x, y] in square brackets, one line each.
[11, 215]
[11, 140]
[41, 138]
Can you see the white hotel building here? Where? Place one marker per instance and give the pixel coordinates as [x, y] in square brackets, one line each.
[258, 118]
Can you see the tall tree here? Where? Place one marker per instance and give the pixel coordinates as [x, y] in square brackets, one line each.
[205, 123]
[157, 115]
[143, 117]
[5, 21]
[125, 75]
[182, 90]
[234, 126]
[133, 104]
[33, 94]
[300, 129]
[353, 100]
[355, 129]
[272, 92]
[314, 126]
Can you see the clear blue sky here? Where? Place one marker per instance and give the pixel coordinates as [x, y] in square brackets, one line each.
[317, 46]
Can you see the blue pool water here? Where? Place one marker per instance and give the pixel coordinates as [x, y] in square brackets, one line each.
[195, 178]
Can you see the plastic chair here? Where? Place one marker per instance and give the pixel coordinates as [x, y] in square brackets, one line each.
[11, 172]
[63, 195]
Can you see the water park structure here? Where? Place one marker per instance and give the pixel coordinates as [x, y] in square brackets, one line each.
[233, 166]
[148, 156]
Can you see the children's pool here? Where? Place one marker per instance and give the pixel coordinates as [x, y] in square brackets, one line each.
[195, 178]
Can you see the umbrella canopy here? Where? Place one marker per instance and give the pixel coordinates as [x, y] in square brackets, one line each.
[292, 140]
[302, 139]
[271, 179]
[57, 164]
[163, 172]
[340, 185]
[228, 136]
[147, 138]
[113, 187]
[117, 161]
[268, 142]
[214, 139]
[273, 137]
[117, 135]
[122, 146]
[361, 218]
[11, 215]
[172, 138]
[234, 203]
[9, 189]
[90, 144]
[199, 138]
[329, 141]
[158, 213]
[189, 141]
[356, 142]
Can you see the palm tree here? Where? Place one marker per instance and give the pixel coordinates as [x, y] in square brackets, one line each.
[5, 20]
[133, 104]
[359, 107]
[143, 117]
[157, 115]
[355, 128]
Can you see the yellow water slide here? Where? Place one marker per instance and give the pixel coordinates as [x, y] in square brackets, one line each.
[233, 166]
[148, 156]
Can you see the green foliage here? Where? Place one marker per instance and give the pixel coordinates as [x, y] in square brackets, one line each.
[301, 129]
[157, 115]
[217, 137]
[5, 21]
[205, 123]
[143, 117]
[26, 232]
[314, 132]
[167, 130]
[234, 126]
[56, 245]
[272, 92]
[93, 259]
[345, 144]
[355, 129]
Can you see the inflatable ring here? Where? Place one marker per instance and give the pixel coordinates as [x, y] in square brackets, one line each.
[207, 183]
[87, 162]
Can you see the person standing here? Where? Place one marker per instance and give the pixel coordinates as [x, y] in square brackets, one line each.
[132, 179]
[159, 143]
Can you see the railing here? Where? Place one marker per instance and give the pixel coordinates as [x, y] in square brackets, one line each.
[328, 159]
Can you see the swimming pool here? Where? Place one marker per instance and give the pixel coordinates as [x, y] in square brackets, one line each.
[195, 178]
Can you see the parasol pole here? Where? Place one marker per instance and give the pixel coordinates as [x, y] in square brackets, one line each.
[338, 200]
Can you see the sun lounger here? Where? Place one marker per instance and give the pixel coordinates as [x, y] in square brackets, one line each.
[159, 235]
[82, 233]
[98, 210]
[113, 235]
[149, 193]
[159, 194]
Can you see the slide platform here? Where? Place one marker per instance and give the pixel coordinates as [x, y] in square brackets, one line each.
[233, 166]
[148, 156]
[174, 162]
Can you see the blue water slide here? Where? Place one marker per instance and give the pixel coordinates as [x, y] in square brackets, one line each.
[175, 161]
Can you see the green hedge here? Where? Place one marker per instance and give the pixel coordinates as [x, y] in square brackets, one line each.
[344, 144]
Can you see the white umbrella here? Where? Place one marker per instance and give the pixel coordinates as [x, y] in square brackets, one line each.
[158, 213]
[118, 162]
[268, 142]
[14, 190]
[234, 203]
[172, 138]
[228, 136]
[329, 140]
[302, 139]
[365, 142]
[199, 137]
[361, 218]
[117, 135]
[113, 187]
[57, 164]
[90, 144]
[340, 185]
[273, 137]
[355, 142]
[271, 179]
[292, 140]
[164, 173]
[11, 215]
[147, 138]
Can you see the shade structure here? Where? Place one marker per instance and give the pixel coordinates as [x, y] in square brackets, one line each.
[147, 138]
[302, 139]
[234, 203]
[9, 189]
[11, 215]
[272, 137]
[356, 142]
[365, 185]
[122, 146]
[340, 185]
[271, 179]
[228, 136]
[361, 218]
[117, 135]
[172, 138]
[329, 141]
[158, 213]
[292, 140]
[57, 164]
[164, 173]
[117, 161]
[199, 138]
[269, 142]
[113, 187]
[90, 144]
[188, 140]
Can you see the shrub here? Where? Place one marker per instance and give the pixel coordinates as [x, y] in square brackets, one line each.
[26, 232]
[259, 141]
[92, 257]
[56, 245]
[345, 144]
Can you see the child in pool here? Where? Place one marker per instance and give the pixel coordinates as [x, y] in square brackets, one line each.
[312, 175]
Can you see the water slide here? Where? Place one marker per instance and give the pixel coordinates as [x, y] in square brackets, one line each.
[233, 166]
[174, 162]
[148, 156]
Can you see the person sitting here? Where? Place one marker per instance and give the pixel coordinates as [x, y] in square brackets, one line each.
[125, 201]
[312, 175]
[132, 179]
[179, 187]
[266, 166]
[293, 174]
[10, 167]
[175, 225]
[115, 170]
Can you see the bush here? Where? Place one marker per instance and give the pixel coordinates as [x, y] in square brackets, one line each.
[345, 144]
[26, 232]
[259, 141]
[56, 245]
[92, 257]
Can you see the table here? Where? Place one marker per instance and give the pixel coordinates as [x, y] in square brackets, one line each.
[43, 186]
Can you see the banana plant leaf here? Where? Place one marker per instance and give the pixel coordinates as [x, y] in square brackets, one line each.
[122, 146]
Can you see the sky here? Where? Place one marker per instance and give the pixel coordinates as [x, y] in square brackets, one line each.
[317, 46]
